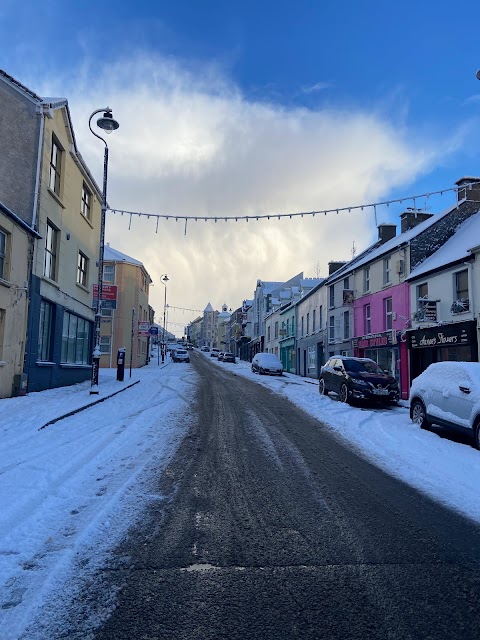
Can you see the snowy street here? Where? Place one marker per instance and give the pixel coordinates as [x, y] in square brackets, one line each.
[70, 491]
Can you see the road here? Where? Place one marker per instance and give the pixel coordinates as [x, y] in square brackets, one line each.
[273, 529]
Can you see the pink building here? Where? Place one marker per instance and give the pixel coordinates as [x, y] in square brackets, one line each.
[380, 321]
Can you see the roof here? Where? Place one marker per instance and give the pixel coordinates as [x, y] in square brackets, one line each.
[455, 249]
[21, 223]
[208, 308]
[378, 249]
[112, 255]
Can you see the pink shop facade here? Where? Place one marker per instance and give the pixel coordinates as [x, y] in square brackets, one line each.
[380, 321]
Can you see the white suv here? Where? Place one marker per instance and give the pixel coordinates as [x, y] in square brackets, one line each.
[448, 394]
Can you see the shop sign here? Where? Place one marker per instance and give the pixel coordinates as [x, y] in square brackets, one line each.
[373, 340]
[449, 335]
[143, 328]
[427, 312]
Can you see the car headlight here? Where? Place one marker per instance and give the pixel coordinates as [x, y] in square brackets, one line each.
[360, 383]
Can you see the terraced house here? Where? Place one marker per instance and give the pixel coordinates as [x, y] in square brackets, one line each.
[47, 184]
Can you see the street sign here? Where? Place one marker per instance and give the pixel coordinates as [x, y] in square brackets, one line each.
[109, 292]
[154, 331]
[143, 328]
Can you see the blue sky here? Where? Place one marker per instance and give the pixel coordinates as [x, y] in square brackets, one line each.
[259, 106]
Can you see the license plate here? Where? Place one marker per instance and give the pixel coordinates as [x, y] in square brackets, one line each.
[381, 392]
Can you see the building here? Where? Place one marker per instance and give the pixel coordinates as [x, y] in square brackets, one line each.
[46, 182]
[17, 243]
[121, 325]
[209, 327]
[310, 331]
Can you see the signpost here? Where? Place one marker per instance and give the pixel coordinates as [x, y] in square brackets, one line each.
[109, 296]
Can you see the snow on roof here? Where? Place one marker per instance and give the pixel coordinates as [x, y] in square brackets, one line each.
[454, 249]
[376, 250]
[268, 287]
[208, 308]
[116, 256]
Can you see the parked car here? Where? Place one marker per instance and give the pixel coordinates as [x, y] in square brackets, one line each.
[180, 355]
[448, 394]
[228, 357]
[205, 349]
[214, 353]
[220, 355]
[357, 379]
[267, 363]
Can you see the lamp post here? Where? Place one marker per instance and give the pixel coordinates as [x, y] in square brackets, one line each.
[164, 280]
[108, 124]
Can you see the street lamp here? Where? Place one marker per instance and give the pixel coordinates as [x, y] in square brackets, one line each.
[164, 280]
[478, 74]
[108, 124]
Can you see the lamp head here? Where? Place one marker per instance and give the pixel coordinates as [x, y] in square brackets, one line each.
[165, 278]
[478, 74]
[107, 123]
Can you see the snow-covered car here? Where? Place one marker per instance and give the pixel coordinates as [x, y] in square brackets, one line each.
[267, 363]
[448, 394]
[228, 357]
[205, 349]
[220, 355]
[214, 353]
[357, 379]
[180, 355]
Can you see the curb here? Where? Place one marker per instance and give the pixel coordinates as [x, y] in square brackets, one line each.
[87, 406]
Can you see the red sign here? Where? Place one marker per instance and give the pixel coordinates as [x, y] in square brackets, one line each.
[143, 328]
[109, 292]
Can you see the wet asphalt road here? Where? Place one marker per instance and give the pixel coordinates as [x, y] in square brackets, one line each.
[275, 530]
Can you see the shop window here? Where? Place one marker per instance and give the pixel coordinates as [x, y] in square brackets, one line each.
[45, 331]
[388, 314]
[312, 361]
[75, 339]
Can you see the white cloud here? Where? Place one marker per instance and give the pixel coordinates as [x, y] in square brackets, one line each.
[190, 143]
[318, 86]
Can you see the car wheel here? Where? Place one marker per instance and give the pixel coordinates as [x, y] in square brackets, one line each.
[343, 393]
[261, 371]
[476, 434]
[321, 387]
[418, 414]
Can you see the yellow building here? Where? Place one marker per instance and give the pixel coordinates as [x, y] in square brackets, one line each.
[16, 249]
[132, 282]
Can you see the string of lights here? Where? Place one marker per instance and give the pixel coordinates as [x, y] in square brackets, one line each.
[273, 216]
[169, 306]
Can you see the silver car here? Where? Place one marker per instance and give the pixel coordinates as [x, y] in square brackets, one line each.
[448, 394]
[267, 363]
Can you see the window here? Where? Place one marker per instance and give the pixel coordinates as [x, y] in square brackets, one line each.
[288, 327]
[2, 330]
[276, 329]
[388, 314]
[109, 273]
[346, 325]
[106, 313]
[366, 279]
[331, 329]
[422, 292]
[346, 283]
[312, 361]
[331, 293]
[45, 330]
[268, 334]
[3, 251]
[55, 167]
[386, 270]
[313, 321]
[86, 206]
[105, 344]
[320, 317]
[302, 327]
[368, 320]
[82, 270]
[75, 340]
[461, 301]
[50, 270]
[308, 324]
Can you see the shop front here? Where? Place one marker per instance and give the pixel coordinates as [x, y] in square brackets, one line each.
[456, 341]
[287, 354]
[388, 352]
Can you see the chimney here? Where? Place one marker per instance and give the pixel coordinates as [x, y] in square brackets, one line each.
[411, 217]
[334, 266]
[466, 192]
[386, 232]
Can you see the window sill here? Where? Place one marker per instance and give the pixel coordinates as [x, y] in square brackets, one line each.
[68, 365]
[5, 283]
[461, 313]
[56, 197]
[44, 363]
[50, 281]
[83, 287]
[87, 220]
[3, 363]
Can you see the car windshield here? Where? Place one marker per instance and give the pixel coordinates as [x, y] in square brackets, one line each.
[362, 366]
[269, 357]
